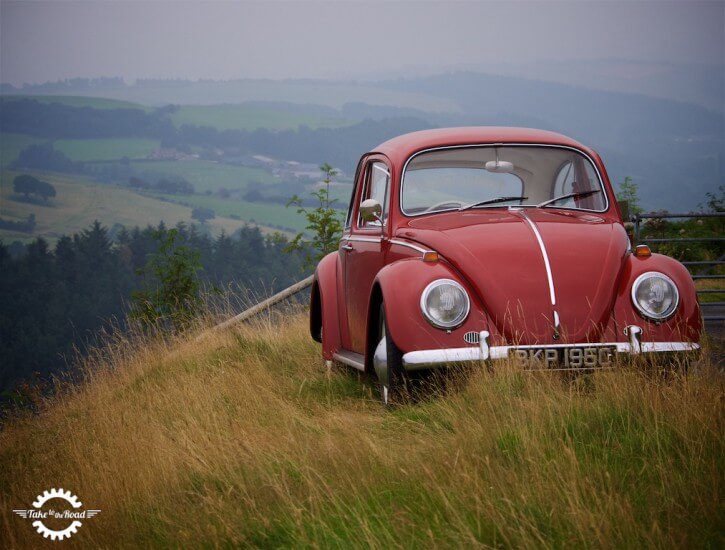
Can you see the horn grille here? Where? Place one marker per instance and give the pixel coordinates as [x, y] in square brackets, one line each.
[472, 337]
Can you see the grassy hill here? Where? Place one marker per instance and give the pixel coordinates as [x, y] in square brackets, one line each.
[80, 201]
[243, 439]
[205, 175]
[251, 117]
[86, 150]
[256, 212]
[81, 101]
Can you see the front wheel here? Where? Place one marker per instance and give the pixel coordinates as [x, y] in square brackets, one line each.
[388, 362]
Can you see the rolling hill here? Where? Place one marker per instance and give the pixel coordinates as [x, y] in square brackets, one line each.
[81, 201]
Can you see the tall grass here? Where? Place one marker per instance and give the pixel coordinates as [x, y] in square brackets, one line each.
[244, 438]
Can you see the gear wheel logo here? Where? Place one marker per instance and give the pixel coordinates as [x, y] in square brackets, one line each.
[42, 510]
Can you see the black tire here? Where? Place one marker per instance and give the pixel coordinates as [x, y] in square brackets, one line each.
[398, 381]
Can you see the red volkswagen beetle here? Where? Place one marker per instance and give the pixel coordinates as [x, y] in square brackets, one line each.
[475, 244]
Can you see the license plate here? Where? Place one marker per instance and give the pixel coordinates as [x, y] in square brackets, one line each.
[594, 357]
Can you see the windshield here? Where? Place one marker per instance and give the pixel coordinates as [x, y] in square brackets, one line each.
[499, 177]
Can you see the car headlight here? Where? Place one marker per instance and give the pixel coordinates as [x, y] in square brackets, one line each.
[445, 303]
[655, 295]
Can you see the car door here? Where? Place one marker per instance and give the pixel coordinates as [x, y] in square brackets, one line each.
[364, 250]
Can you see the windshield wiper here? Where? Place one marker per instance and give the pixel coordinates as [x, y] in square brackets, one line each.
[579, 195]
[492, 201]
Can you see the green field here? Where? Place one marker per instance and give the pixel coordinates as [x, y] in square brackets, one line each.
[250, 117]
[87, 150]
[80, 101]
[80, 201]
[272, 215]
[206, 175]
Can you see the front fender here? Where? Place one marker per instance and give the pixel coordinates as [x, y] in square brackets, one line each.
[684, 326]
[401, 284]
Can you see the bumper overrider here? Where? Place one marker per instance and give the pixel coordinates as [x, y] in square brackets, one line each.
[432, 358]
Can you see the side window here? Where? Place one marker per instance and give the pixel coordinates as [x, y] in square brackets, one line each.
[377, 183]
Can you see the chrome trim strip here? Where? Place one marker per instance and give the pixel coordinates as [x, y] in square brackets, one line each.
[361, 239]
[410, 245]
[348, 359]
[542, 247]
[497, 144]
[422, 359]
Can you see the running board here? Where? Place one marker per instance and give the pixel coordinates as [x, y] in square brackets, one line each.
[351, 359]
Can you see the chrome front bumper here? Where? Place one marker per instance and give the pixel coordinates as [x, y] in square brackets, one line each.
[431, 358]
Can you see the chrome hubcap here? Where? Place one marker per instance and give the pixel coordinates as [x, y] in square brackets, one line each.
[380, 363]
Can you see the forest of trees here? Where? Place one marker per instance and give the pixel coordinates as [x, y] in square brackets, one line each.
[56, 298]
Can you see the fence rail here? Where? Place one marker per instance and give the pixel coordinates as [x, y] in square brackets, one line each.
[714, 316]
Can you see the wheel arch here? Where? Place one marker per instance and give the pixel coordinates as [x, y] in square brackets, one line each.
[398, 287]
[324, 312]
[315, 312]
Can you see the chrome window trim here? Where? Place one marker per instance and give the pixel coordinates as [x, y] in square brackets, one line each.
[373, 164]
[383, 170]
[427, 290]
[517, 144]
[644, 314]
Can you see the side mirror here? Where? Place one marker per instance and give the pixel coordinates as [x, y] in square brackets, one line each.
[371, 211]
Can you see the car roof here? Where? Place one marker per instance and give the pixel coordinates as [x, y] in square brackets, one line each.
[400, 148]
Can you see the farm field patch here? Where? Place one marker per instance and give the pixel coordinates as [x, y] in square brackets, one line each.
[80, 201]
[272, 215]
[88, 150]
[251, 117]
[206, 175]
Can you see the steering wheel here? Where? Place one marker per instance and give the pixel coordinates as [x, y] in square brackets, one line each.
[442, 204]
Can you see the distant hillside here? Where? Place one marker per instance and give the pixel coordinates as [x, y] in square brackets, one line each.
[674, 150]
[79, 101]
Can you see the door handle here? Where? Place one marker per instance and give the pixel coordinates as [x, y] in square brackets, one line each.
[346, 247]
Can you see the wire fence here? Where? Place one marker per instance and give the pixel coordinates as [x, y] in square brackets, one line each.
[701, 270]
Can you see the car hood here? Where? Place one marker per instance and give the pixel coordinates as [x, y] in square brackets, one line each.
[503, 253]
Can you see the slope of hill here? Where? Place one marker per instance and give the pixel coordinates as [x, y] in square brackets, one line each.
[80, 201]
[243, 439]
[253, 115]
[81, 101]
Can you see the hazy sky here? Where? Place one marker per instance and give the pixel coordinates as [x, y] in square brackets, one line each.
[205, 39]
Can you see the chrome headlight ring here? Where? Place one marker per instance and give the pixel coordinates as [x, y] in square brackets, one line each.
[658, 293]
[449, 292]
